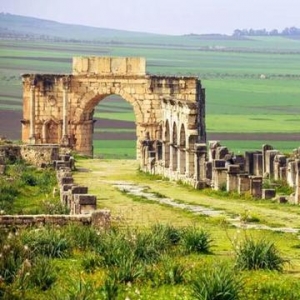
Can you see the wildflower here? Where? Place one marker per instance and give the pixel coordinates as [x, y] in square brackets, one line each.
[6, 247]
[137, 292]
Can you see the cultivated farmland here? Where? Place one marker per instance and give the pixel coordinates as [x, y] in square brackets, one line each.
[252, 84]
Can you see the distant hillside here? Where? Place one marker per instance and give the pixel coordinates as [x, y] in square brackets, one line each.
[22, 27]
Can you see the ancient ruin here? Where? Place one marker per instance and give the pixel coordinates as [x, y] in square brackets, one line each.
[170, 129]
[169, 112]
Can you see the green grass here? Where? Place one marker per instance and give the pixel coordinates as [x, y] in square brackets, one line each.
[122, 116]
[115, 149]
[253, 123]
[242, 146]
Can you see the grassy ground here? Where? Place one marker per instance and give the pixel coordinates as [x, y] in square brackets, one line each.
[100, 175]
[134, 260]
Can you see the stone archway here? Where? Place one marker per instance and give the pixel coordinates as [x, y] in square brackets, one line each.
[83, 124]
[160, 104]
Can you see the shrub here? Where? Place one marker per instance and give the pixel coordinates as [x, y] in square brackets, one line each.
[54, 207]
[196, 240]
[79, 290]
[172, 272]
[113, 247]
[29, 178]
[8, 193]
[146, 247]
[84, 237]
[47, 242]
[255, 255]
[109, 290]
[46, 180]
[167, 233]
[216, 283]
[128, 269]
[43, 274]
[12, 258]
[91, 262]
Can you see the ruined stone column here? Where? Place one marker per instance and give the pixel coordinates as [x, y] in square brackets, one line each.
[201, 152]
[265, 148]
[256, 186]
[269, 162]
[65, 136]
[32, 115]
[232, 178]
[291, 173]
[166, 154]
[297, 185]
[279, 162]
[243, 183]
[258, 164]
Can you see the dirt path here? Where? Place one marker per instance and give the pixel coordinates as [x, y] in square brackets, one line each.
[114, 181]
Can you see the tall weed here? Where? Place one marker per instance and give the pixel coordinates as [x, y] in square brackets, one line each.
[48, 242]
[216, 283]
[195, 240]
[258, 254]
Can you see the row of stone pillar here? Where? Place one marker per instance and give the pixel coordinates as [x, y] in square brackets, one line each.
[73, 196]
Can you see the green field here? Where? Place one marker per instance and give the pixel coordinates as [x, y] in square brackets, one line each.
[237, 99]
[115, 149]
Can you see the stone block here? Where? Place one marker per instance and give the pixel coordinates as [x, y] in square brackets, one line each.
[79, 189]
[85, 199]
[282, 199]
[268, 193]
[221, 152]
[101, 219]
[67, 180]
[233, 169]
[218, 163]
[243, 183]
[256, 186]
[58, 164]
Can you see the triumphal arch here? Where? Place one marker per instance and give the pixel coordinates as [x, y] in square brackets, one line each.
[169, 112]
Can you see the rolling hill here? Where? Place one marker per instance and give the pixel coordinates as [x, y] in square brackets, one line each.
[28, 26]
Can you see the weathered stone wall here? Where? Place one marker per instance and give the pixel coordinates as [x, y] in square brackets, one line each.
[40, 155]
[99, 219]
[109, 65]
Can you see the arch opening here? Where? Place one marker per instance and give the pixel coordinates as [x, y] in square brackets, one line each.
[114, 129]
[107, 124]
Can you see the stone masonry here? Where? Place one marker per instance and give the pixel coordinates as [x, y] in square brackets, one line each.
[58, 109]
[169, 112]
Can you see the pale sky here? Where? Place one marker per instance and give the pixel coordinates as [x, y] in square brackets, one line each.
[164, 16]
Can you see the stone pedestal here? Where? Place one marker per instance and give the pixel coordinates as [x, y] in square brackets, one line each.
[256, 186]
[258, 164]
[268, 193]
[232, 178]
[243, 183]
[291, 173]
[279, 162]
[219, 178]
[269, 161]
[201, 152]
